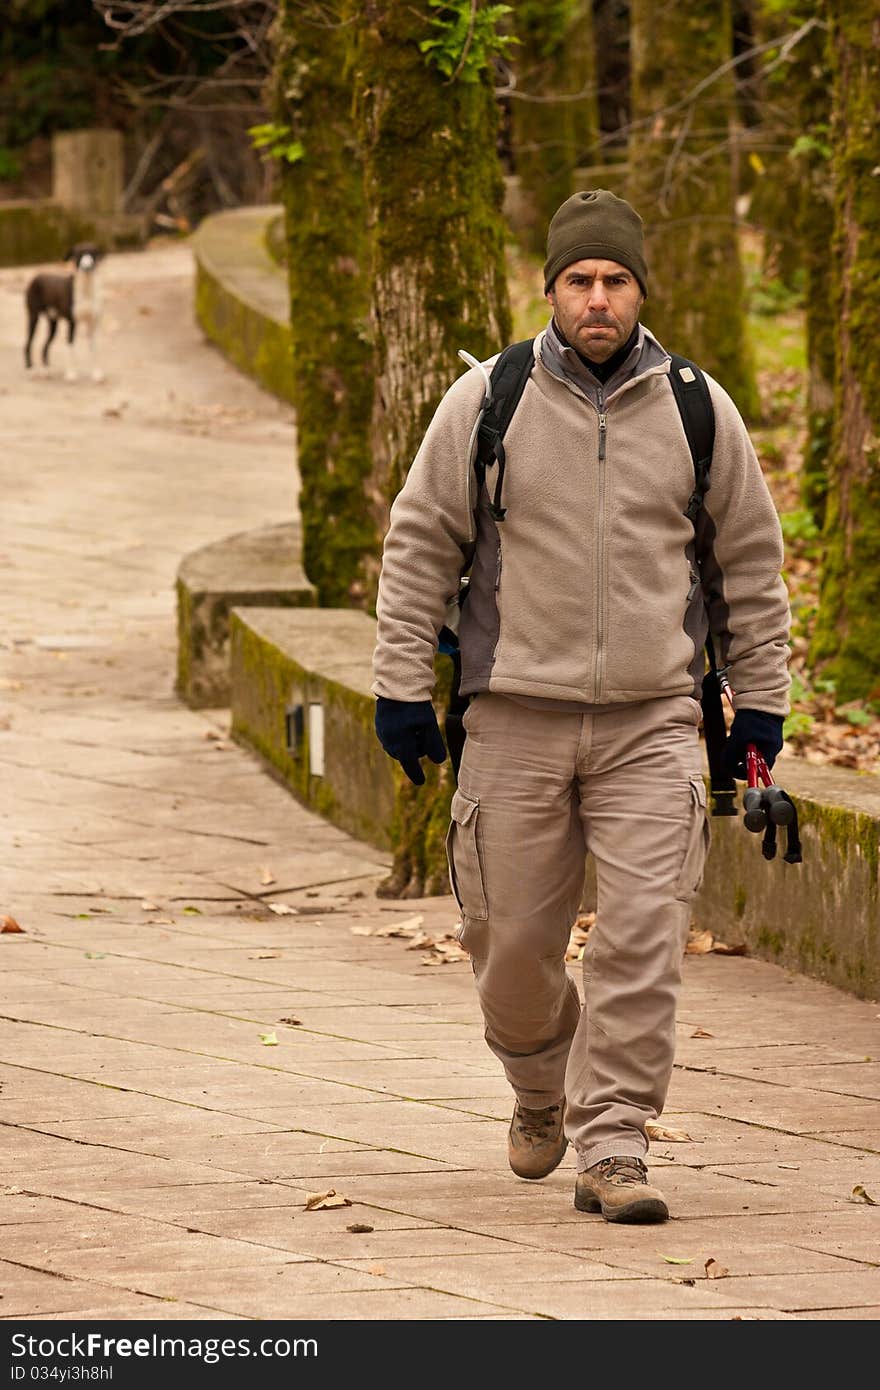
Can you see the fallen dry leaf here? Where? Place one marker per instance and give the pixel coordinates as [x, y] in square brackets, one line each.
[678, 1259]
[163, 922]
[282, 909]
[701, 1033]
[667, 1136]
[324, 1201]
[701, 943]
[266, 875]
[375, 1269]
[145, 907]
[860, 1195]
[9, 924]
[269, 1039]
[293, 1022]
[357, 1228]
[266, 955]
[714, 1270]
[795, 1167]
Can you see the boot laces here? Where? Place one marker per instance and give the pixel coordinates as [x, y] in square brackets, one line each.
[533, 1123]
[623, 1169]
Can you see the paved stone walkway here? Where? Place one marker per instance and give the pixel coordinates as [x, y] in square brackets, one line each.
[158, 1147]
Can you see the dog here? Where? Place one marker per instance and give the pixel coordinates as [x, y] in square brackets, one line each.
[76, 298]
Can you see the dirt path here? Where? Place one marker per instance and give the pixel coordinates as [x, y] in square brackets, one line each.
[181, 1066]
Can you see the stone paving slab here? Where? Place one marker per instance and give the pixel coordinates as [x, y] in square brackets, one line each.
[158, 1156]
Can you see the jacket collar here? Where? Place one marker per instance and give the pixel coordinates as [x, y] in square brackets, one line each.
[647, 355]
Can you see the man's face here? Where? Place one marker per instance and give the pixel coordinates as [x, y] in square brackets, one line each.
[596, 305]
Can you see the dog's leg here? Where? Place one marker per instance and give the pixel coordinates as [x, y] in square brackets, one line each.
[97, 373]
[33, 320]
[53, 329]
[71, 373]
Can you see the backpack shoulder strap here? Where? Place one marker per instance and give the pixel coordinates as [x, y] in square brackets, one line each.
[698, 419]
[509, 376]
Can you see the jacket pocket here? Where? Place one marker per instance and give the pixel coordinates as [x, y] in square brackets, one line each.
[698, 842]
[463, 854]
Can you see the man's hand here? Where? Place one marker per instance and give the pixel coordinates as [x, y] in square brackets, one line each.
[409, 731]
[752, 726]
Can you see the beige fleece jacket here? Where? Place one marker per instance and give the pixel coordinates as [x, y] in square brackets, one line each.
[589, 589]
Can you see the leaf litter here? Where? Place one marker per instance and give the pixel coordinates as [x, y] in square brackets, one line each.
[325, 1201]
[701, 943]
[662, 1134]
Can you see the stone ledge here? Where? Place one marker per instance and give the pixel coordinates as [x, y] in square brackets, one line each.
[821, 917]
[241, 296]
[282, 665]
[34, 232]
[260, 568]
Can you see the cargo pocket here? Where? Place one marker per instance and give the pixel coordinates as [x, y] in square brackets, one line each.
[463, 854]
[698, 841]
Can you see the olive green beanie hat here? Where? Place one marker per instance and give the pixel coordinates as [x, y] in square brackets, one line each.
[596, 224]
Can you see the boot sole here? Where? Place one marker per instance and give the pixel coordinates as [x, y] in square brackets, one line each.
[642, 1211]
[545, 1172]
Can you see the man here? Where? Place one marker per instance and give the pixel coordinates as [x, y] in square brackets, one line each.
[582, 640]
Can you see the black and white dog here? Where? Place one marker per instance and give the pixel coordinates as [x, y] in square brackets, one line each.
[76, 298]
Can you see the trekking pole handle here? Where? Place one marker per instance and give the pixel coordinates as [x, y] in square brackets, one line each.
[767, 802]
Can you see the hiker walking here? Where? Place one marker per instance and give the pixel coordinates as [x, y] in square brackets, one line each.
[598, 567]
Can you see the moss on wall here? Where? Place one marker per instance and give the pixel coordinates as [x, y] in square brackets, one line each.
[256, 343]
[34, 232]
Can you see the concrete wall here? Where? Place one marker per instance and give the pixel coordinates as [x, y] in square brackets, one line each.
[260, 568]
[32, 233]
[821, 917]
[241, 296]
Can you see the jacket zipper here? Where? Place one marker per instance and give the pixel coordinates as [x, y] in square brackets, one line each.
[600, 572]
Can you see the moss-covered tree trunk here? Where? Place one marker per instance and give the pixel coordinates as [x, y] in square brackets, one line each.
[681, 183]
[434, 192]
[328, 268]
[811, 157]
[554, 107]
[847, 638]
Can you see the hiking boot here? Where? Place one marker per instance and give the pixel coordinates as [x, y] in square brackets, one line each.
[619, 1188]
[536, 1143]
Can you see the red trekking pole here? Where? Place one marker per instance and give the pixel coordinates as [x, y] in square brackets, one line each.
[768, 806]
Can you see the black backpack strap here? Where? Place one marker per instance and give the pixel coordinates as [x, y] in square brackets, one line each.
[698, 419]
[509, 376]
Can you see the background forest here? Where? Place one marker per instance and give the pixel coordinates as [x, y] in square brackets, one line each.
[419, 150]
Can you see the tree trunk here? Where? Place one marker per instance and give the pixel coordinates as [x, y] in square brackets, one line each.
[847, 638]
[328, 263]
[555, 58]
[811, 157]
[434, 193]
[681, 183]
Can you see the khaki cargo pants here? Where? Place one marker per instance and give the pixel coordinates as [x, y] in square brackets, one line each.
[536, 790]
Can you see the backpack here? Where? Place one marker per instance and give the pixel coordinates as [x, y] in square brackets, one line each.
[508, 381]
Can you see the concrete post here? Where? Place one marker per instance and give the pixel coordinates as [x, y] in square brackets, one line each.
[88, 171]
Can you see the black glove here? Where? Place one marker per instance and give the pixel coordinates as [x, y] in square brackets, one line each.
[752, 726]
[409, 731]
